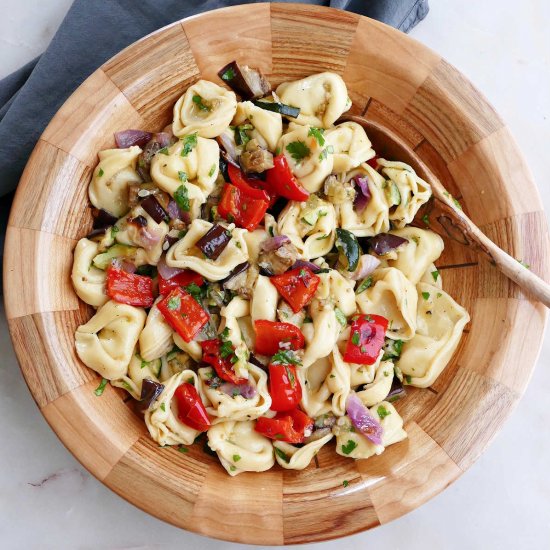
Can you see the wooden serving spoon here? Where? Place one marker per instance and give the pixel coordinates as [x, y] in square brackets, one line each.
[445, 217]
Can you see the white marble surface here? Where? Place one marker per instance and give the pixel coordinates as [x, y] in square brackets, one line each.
[48, 501]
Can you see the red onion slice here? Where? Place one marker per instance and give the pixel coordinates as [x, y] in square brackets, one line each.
[300, 264]
[174, 211]
[245, 390]
[152, 206]
[363, 420]
[367, 264]
[230, 149]
[385, 242]
[127, 138]
[363, 194]
[165, 271]
[274, 243]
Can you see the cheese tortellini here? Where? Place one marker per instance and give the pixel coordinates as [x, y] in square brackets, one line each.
[291, 457]
[155, 339]
[205, 108]
[88, 281]
[267, 126]
[351, 146]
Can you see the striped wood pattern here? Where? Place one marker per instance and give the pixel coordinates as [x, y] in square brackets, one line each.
[393, 80]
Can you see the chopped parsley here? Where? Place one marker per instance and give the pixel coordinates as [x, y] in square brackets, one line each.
[348, 447]
[355, 338]
[329, 149]
[241, 136]
[100, 173]
[198, 101]
[212, 170]
[232, 468]
[282, 455]
[426, 220]
[323, 237]
[392, 349]
[366, 283]
[439, 294]
[163, 406]
[143, 362]
[163, 151]
[189, 143]
[229, 74]
[181, 196]
[457, 204]
[435, 275]
[285, 357]
[99, 390]
[182, 176]
[524, 264]
[426, 295]
[382, 412]
[345, 483]
[183, 449]
[196, 291]
[236, 458]
[174, 303]
[340, 317]
[317, 133]
[298, 150]
[408, 378]
[114, 231]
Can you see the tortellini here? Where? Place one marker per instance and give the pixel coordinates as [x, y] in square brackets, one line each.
[237, 407]
[414, 258]
[380, 387]
[155, 339]
[106, 342]
[267, 126]
[353, 444]
[440, 322]
[374, 218]
[161, 418]
[88, 281]
[138, 370]
[112, 176]
[351, 146]
[291, 457]
[264, 300]
[339, 382]
[310, 226]
[394, 297]
[230, 314]
[413, 191]
[316, 395]
[322, 98]
[205, 108]
[310, 162]
[240, 448]
[191, 162]
[184, 253]
[322, 333]
[337, 289]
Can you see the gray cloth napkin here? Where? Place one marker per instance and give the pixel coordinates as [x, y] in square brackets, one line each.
[92, 32]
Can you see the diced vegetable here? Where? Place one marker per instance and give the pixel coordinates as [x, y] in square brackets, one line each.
[281, 181]
[127, 138]
[150, 390]
[292, 426]
[102, 219]
[184, 278]
[241, 268]
[296, 286]
[363, 420]
[276, 107]
[397, 390]
[236, 207]
[298, 264]
[348, 246]
[221, 355]
[271, 336]
[277, 255]
[247, 185]
[245, 390]
[392, 349]
[183, 313]
[127, 288]
[393, 195]
[284, 387]
[214, 241]
[247, 82]
[367, 264]
[386, 242]
[373, 162]
[312, 210]
[166, 271]
[255, 158]
[152, 206]
[363, 194]
[366, 339]
[191, 410]
[273, 243]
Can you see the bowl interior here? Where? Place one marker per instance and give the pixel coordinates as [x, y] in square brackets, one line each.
[392, 80]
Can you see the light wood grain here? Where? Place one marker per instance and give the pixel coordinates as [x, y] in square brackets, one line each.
[440, 119]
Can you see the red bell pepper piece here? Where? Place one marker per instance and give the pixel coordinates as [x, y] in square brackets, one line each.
[373, 162]
[184, 278]
[284, 387]
[183, 313]
[282, 181]
[220, 360]
[290, 426]
[128, 288]
[246, 185]
[270, 335]
[366, 339]
[191, 410]
[296, 286]
[236, 206]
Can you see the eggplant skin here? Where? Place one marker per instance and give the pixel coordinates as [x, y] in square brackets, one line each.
[249, 83]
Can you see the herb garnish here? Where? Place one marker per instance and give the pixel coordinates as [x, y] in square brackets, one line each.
[435, 275]
[174, 303]
[285, 357]
[182, 176]
[317, 133]
[99, 390]
[198, 101]
[298, 150]
[366, 283]
[426, 295]
[181, 196]
[382, 412]
[212, 170]
[340, 317]
[100, 173]
[189, 143]
[348, 447]
[281, 454]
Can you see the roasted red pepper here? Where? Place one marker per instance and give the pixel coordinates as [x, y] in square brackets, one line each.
[128, 288]
[219, 354]
[191, 410]
[366, 339]
[247, 185]
[296, 286]
[373, 162]
[284, 387]
[290, 426]
[183, 313]
[184, 278]
[270, 335]
[236, 206]
[282, 181]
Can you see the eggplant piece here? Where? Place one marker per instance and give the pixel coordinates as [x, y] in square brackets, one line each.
[102, 219]
[385, 242]
[256, 159]
[241, 268]
[281, 108]
[249, 83]
[128, 138]
[214, 241]
[153, 207]
[255, 361]
[397, 390]
[96, 233]
[150, 391]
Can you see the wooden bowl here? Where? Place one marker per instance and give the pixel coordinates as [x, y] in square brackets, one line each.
[393, 80]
